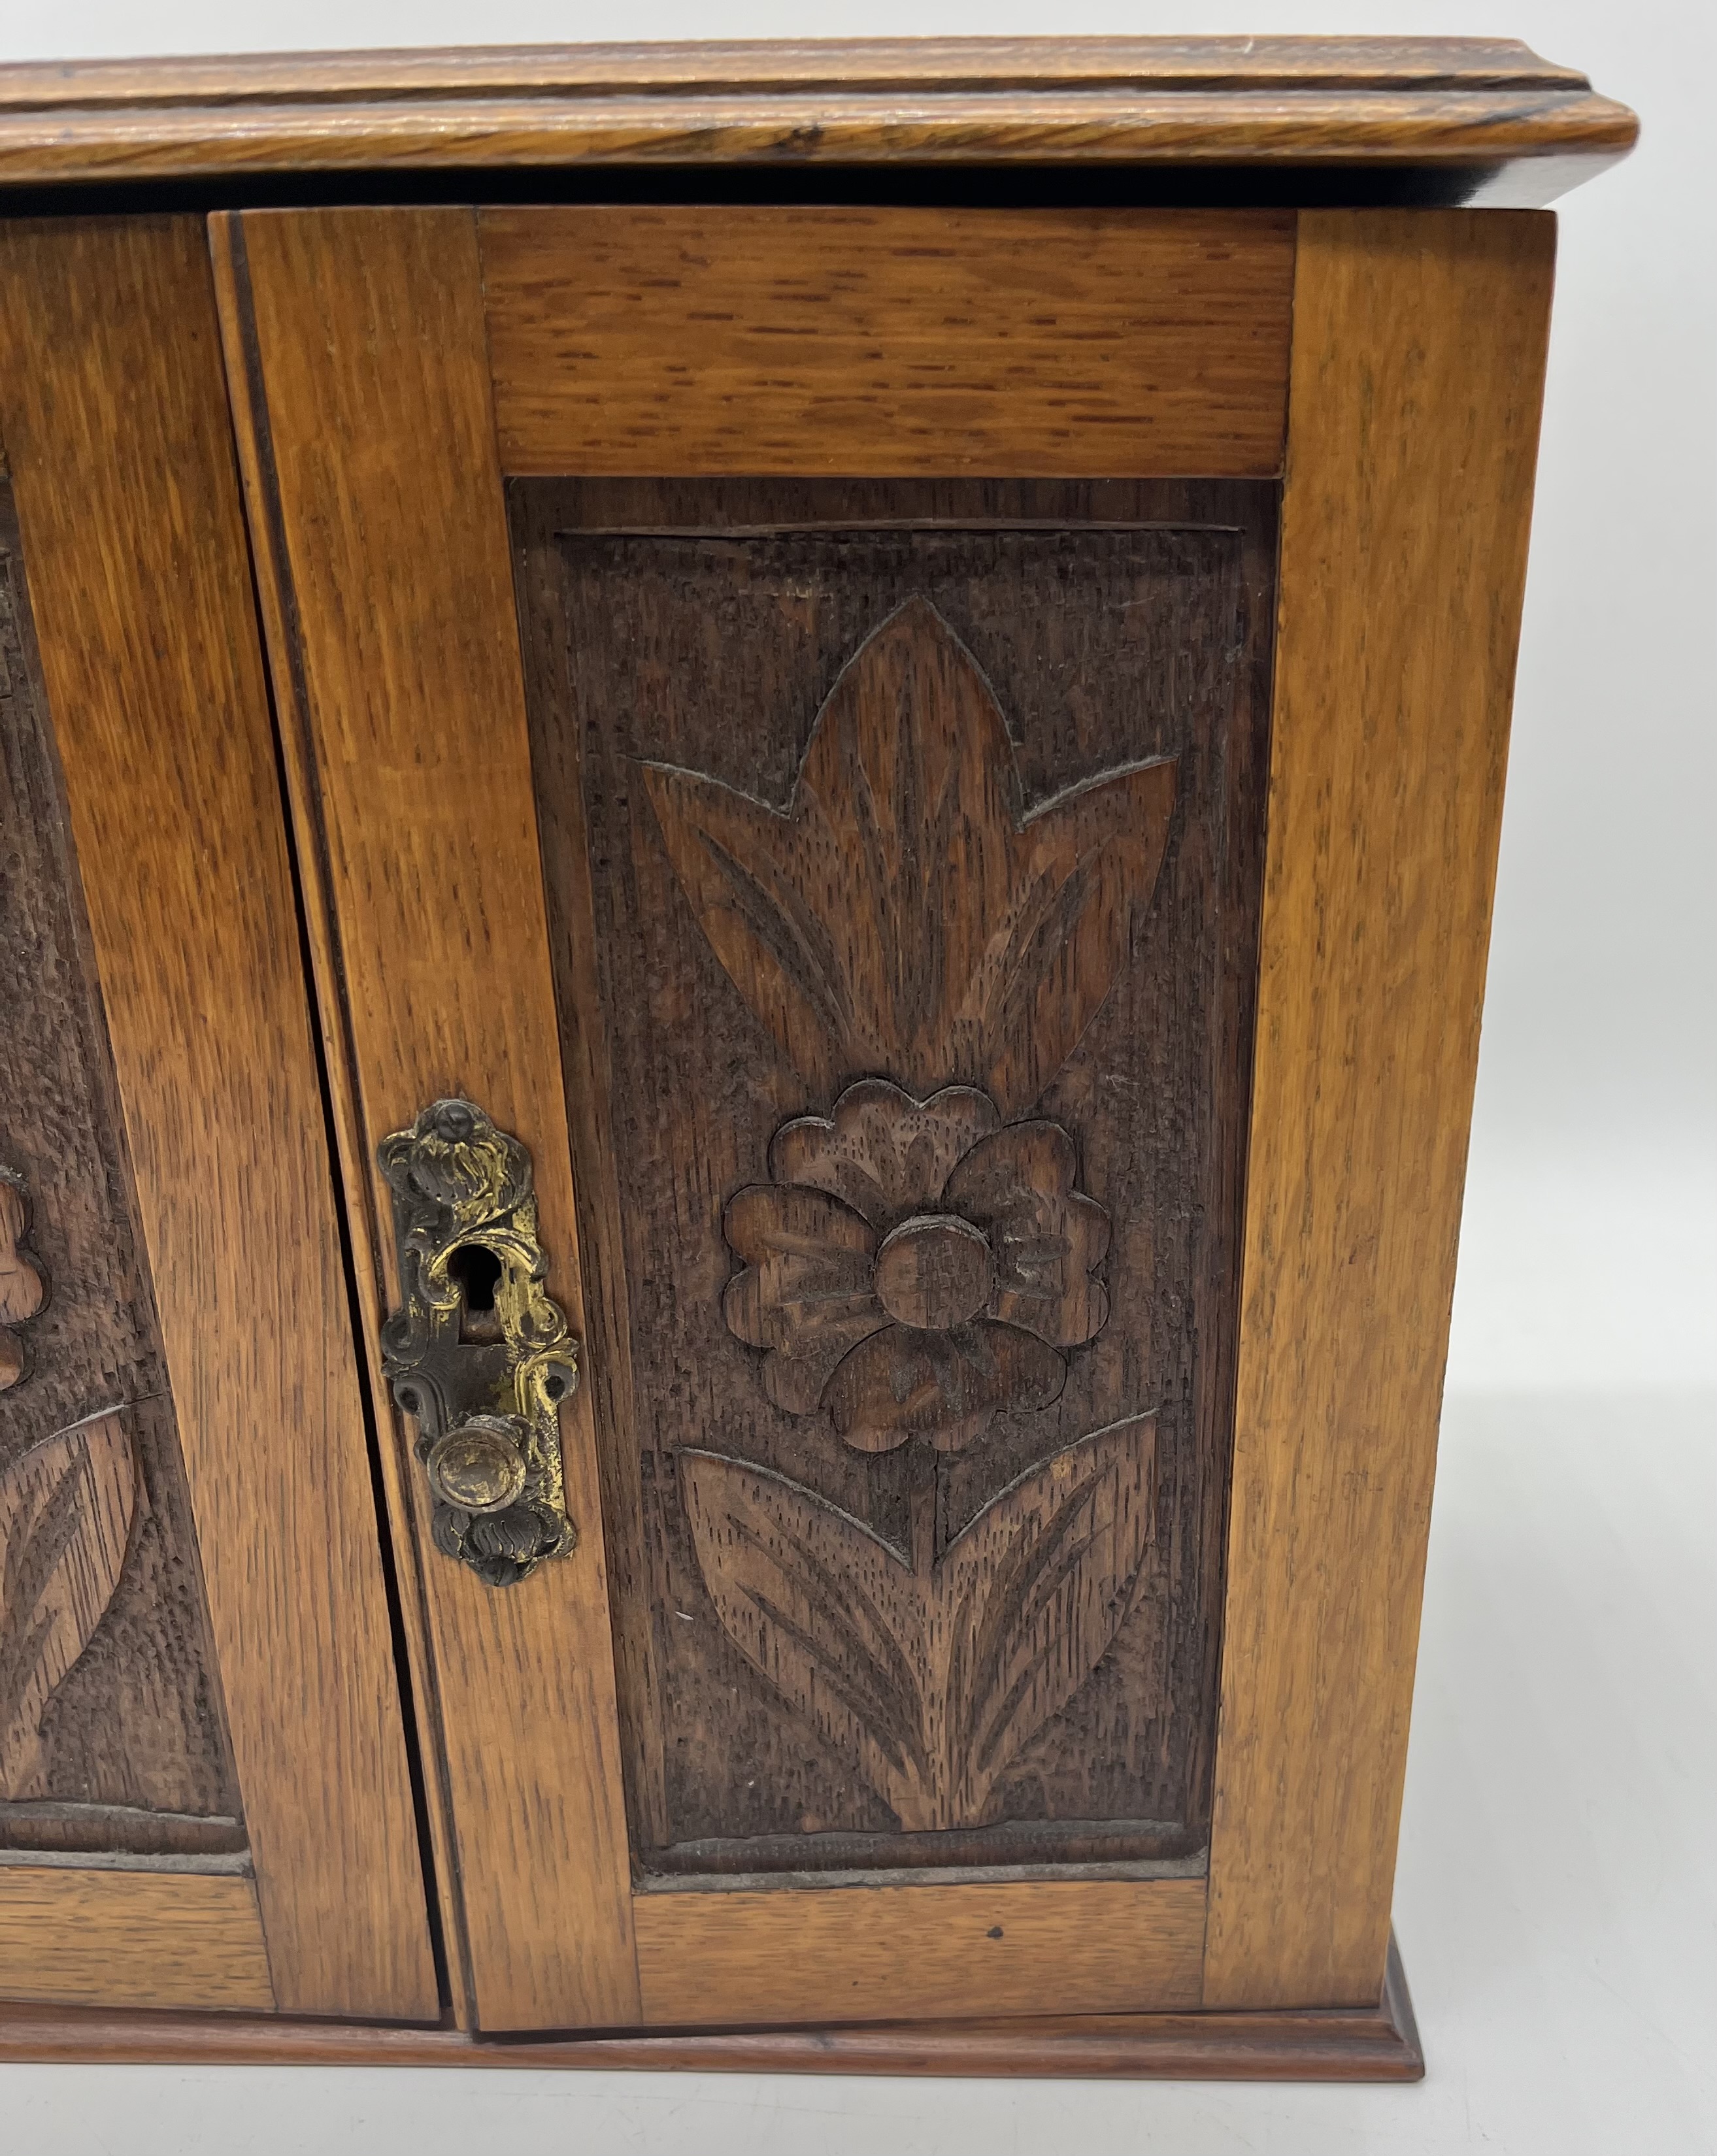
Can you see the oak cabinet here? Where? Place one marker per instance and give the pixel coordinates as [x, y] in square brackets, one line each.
[744, 924]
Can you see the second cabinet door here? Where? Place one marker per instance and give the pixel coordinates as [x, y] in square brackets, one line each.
[205, 1785]
[776, 706]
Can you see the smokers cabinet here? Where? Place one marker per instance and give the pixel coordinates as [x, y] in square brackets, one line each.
[745, 834]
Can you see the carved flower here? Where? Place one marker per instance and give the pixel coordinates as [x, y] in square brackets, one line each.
[914, 1266]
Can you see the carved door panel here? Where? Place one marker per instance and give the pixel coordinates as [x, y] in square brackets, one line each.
[113, 1734]
[843, 885]
[205, 1793]
[901, 845]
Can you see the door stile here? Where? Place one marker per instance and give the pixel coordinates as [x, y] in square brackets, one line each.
[309, 840]
[394, 637]
[1415, 391]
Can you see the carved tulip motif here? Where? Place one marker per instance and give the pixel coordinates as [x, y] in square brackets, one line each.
[907, 914]
[915, 1266]
[921, 1258]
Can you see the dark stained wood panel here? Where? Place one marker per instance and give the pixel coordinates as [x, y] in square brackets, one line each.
[965, 958]
[110, 1710]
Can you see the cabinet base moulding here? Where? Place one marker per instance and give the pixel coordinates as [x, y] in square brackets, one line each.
[1341, 2044]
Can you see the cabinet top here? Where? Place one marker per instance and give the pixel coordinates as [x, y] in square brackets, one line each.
[1282, 120]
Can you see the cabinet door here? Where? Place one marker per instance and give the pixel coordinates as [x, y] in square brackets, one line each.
[777, 711]
[204, 1796]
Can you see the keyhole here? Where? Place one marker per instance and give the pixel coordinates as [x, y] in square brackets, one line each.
[476, 1272]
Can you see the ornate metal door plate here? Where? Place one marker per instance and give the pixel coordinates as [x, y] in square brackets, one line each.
[478, 1353]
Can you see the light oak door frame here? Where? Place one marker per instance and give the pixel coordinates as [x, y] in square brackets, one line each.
[358, 345]
[113, 407]
[391, 367]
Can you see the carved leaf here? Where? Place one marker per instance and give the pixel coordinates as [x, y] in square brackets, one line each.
[65, 1520]
[824, 1608]
[1033, 1592]
[903, 914]
[930, 1684]
[22, 1289]
[805, 1295]
[1088, 861]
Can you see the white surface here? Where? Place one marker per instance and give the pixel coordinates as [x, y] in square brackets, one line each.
[1557, 1907]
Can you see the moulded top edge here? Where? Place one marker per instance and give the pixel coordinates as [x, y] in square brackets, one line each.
[1245, 102]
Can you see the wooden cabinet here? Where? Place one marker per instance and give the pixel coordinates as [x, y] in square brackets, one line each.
[744, 919]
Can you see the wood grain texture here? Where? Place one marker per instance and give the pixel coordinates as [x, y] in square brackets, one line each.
[1419, 348]
[277, 607]
[137, 1725]
[1112, 343]
[906, 913]
[131, 1938]
[113, 406]
[1364, 2044]
[930, 1672]
[65, 1524]
[1476, 116]
[397, 658]
[22, 1290]
[864, 1953]
[683, 638]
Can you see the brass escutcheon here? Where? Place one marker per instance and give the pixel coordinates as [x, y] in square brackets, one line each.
[478, 1353]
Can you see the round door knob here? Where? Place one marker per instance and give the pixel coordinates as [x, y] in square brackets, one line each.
[479, 1466]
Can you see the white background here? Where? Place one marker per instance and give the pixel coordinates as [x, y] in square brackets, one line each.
[1557, 1902]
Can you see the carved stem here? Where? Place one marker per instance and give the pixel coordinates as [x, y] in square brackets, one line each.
[926, 1499]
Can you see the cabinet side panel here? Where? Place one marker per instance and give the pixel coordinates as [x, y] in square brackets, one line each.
[114, 411]
[1417, 374]
[366, 328]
